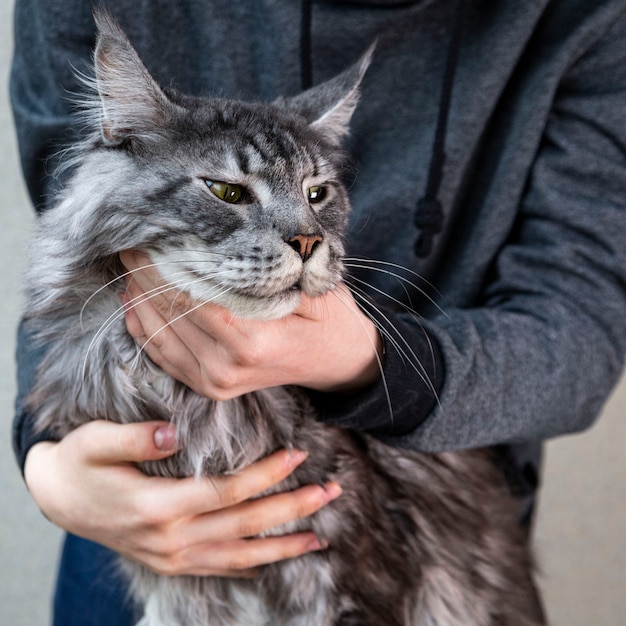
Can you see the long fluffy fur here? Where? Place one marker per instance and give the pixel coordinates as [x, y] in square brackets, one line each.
[415, 539]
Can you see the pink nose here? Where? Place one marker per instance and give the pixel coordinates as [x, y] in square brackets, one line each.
[305, 245]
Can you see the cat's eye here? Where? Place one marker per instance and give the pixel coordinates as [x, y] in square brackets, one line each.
[228, 192]
[316, 193]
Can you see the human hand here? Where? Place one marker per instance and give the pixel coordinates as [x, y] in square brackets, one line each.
[328, 344]
[88, 484]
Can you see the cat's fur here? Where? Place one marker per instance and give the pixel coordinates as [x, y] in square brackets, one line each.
[415, 539]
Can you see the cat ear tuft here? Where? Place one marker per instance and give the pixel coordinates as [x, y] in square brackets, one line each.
[132, 103]
[329, 106]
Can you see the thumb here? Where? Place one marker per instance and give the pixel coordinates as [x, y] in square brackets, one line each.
[314, 308]
[105, 442]
[320, 308]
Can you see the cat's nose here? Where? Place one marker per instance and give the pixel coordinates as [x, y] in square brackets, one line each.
[305, 245]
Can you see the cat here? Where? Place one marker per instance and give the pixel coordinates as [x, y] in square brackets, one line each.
[415, 539]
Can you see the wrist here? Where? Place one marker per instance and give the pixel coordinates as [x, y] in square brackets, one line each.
[361, 368]
[347, 354]
[403, 394]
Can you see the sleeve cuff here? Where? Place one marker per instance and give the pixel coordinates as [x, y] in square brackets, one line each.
[24, 435]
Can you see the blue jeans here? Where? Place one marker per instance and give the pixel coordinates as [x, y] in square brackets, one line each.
[90, 590]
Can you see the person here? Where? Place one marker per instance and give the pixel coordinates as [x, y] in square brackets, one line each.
[489, 149]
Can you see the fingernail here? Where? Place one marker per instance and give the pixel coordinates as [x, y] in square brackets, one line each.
[317, 544]
[332, 491]
[296, 457]
[165, 438]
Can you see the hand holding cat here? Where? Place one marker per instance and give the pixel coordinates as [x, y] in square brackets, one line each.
[328, 344]
[88, 485]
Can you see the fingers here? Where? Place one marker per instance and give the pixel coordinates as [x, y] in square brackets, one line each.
[230, 551]
[88, 485]
[161, 327]
[152, 306]
[159, 340]
[158, 503]
[205, 528]
[148, 284]
[252, 518]
[134, 260]
[102, 442]
[329, 344]
[195, 497]
[235, 559]
[204, 347]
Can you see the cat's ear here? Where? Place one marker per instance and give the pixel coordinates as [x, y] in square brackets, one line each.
[329, 106]
[131, 102]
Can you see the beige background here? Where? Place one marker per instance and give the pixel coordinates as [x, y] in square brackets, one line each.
[581, 530]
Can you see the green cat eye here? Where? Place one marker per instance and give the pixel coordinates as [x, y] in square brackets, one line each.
[228, 192]
[316, 193]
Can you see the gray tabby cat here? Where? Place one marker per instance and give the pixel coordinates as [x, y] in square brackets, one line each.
[241, 204]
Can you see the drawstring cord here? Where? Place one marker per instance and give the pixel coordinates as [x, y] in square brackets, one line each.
[429, 213]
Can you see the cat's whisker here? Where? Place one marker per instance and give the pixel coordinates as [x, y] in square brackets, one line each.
[217, 272]
[370, 265]
[159, 290]
[130, 304]
[406, 352]
[119, 314]
[402, 280]
[95, 294]
[399, 343]
[141, 350]
[379, 362]
[95, 340]
[384, 332]
[110, 283]
[401, 304]
[144, 297]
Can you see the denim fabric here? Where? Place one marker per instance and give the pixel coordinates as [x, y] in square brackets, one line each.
[90, 590]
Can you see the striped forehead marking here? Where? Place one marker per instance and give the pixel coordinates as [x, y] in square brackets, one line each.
[273, 147]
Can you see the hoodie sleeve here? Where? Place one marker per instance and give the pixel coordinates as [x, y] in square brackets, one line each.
[24, 434]
[539, 354]
[42, 83]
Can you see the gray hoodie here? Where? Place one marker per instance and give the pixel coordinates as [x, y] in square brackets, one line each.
[525, 261]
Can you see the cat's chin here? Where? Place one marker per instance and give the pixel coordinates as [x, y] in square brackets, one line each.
[270, 308]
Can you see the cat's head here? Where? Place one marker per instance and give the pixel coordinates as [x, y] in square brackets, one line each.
[238, 203]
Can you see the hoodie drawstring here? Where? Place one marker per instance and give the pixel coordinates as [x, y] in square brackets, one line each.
[429, 213]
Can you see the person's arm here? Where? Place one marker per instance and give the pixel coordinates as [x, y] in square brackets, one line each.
[88, 483]
[539, 355]
[539, 352]
[42, 80]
